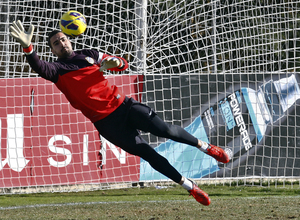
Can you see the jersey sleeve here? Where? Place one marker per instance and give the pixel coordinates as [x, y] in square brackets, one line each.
[46, 70]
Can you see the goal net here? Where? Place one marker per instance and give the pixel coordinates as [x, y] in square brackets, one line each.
[227, 71]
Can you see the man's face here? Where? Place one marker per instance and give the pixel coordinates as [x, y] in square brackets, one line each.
[61, 45]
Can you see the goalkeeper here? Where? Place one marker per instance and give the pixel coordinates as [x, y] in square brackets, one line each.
[79, 76]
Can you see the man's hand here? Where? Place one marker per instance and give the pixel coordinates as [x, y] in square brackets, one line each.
[110, 62]
[18, 33]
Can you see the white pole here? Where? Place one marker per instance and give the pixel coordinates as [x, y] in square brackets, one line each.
[6, 39]
[141, 35]
[215, 70]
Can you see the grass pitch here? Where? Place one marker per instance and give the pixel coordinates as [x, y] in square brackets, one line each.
[234, 202]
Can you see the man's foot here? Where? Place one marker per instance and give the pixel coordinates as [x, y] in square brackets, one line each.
[199, 195]
[218, 153]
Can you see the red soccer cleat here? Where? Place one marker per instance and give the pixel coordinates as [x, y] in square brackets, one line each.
[199, 195]
[218, 153]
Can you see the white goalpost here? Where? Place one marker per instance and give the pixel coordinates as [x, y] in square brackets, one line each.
[225, 70]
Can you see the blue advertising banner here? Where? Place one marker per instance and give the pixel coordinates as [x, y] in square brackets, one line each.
[254, 115]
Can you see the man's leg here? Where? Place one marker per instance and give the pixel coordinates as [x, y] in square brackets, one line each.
[144, 118]
[141, 148]
[128, 139]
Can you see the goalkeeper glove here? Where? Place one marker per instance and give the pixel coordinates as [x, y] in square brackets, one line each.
[110, 62]
[18, 33]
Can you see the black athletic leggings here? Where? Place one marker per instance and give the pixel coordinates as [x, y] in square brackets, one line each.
[121, 128]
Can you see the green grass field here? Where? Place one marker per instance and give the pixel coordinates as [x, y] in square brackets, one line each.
[234, 202]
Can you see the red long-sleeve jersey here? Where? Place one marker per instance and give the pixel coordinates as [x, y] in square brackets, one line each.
[79, 79]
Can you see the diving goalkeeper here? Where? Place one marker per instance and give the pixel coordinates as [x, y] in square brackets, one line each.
[79, 76]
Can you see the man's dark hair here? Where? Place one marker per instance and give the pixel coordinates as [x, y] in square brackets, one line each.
[51, 34]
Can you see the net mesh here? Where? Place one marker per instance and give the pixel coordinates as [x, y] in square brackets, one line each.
[191, 54]
[175, 37]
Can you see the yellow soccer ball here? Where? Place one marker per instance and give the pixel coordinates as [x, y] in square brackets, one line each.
[72, 23]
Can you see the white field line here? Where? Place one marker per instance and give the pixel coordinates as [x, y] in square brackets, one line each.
[151, 201]
[85, 203]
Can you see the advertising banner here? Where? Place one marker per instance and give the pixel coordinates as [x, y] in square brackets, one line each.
[256, 116]
[45, 141]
